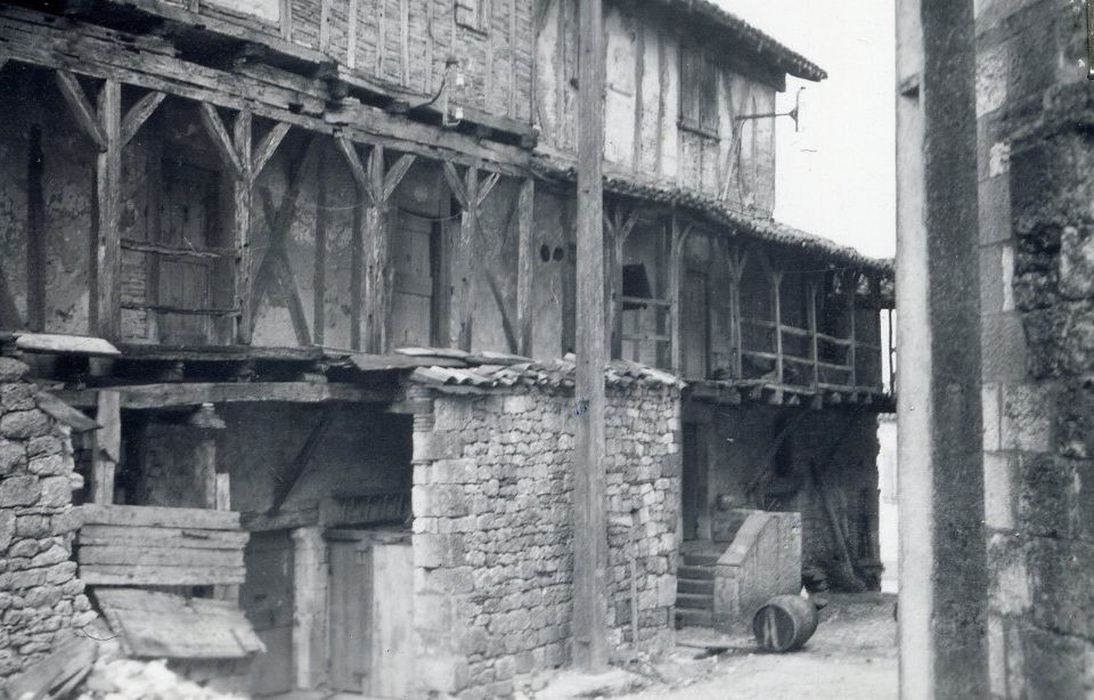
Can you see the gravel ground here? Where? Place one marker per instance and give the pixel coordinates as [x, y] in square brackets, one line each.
[852, 656]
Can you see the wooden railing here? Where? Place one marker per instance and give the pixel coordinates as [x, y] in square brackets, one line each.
[807, 368]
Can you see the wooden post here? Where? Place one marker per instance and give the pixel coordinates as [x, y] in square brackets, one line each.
[852, 292]
[319, 281]
[737, 262]
[376, 187]
[36, 233]
[676, 289]
[470, 193]
[526, 260]
[108, 447]
[776, 300]
[590, 652]
[811, 311]
[107, 196]
[618, 228]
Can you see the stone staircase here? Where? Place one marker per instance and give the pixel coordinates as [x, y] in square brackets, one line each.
[695, 588]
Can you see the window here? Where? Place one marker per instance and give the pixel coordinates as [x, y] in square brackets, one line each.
[471, 14]
[698, 93]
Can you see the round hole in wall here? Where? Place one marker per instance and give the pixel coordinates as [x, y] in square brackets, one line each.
[545, 252]
[558, 254]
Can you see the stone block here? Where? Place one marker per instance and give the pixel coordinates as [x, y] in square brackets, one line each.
[1026, 419]
[49, 465]
[65, 522]
[12, 370]
[441, 674]
[54, 555]
[455, 471]
[998, 491]
[1009, 587]
[12, 456]
[1003, 347]
[1056, 666]
[1075, 264]
[17, 396]
[56, 492]
[19, 491]
[46, 445]
[22, 425]
[1062, 585]
[1046, 492]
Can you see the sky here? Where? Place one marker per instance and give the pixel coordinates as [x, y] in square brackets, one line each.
[837, 177]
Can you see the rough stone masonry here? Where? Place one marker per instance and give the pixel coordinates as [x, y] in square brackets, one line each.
[41, 599]
[493, 521]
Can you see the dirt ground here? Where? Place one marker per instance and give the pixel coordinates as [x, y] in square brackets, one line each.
[852, 655]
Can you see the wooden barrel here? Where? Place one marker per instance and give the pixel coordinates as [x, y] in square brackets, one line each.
[785, 623]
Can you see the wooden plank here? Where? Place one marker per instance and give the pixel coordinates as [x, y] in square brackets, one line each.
[852, 292]
[242, 206]
[526, 266]
[70, 658]
[351, 36]
[138, 114]
[159, 516]
[679, 237]
[268, 146]
[36, 232]
[324, 26]
[61, 411]
[174, 395]
[108, 202]
[156, 536]
[128, 555]
[108, 447]
[590, 652]
[158, 575]
[81, 108]
[811, 311]
[218, 134]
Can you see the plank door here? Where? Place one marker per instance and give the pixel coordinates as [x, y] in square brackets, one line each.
[188, 221]
[267, 599]
[694, 324]
[350, 606]
[393, 618]
[412, 246]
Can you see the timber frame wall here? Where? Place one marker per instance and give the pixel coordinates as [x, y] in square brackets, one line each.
[242, 75]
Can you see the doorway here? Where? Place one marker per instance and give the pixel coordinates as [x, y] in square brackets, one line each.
[693, 486]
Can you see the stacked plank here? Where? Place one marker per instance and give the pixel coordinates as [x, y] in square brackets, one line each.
[156, 546]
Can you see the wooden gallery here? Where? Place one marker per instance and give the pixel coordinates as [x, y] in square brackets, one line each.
[287, 302]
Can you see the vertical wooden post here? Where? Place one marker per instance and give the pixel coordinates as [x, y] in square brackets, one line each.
[676, 289]
[319, 281]
[526, 260]
[469, 238]
[309, 606]
[356, 267]
[737, 261]
[852, 292]
[107, 182]
[811, 311]
[108, 447]
[242, 199]
[590, 650]
[776, 300]
[36, 233]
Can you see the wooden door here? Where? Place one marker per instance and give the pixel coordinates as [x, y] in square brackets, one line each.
[267, 599]
[694, 324]
[188, 222]
[350, 612]
[412, 246]
[393, 618]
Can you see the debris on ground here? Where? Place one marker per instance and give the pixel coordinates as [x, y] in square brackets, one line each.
[125, 679]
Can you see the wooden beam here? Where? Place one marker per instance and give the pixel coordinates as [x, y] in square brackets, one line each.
[776, 278]
[811, 311]
[242, 206]
[319, 275]
[222, 142]
[81, 108]
[36, 232]
[737, 261]
[678, 236]
[286, 480]
[138, 114]
[108, 447]
[590, 649]
[268, 146]
[852, 293]
[183, 395]
[357, 237]
[108, 318]
[526, 260]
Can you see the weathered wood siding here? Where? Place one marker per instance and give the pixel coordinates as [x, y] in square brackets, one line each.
[642, 108]
[405, 43]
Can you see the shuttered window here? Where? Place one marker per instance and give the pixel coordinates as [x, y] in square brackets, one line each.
[471, 14]
[698, 93]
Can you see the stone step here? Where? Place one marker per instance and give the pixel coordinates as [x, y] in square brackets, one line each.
[695, 601]
[694, 618]
[702, 573]
[687, 585]
[693, 559]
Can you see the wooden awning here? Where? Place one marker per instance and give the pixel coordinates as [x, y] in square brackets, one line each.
[151, 624]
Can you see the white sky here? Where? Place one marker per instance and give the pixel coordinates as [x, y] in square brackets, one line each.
[837, 179]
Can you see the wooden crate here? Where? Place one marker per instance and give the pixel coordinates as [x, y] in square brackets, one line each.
[155, 546]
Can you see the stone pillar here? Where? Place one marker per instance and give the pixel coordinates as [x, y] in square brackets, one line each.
[942, 573]
[309, 631]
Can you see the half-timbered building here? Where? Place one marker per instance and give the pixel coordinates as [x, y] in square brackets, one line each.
[309, 268]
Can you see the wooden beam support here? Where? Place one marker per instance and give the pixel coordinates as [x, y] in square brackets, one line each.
[851, 280]
[590, 649]
[526, 260]
[286, 480]
[80, 108]
[188, 394]
[618, 226]
[737, 260]
[471, 193]
[319, 275]
[776, 277]
[139, 113]
[268, 146]
[218, 134]
[811, 312]
[679, 236]
[108, 447]
[108, 311]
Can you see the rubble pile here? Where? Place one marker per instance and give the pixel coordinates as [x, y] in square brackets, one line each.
[129, 679]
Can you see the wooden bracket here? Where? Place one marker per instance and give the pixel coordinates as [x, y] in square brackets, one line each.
[81, 108]
[138, 114]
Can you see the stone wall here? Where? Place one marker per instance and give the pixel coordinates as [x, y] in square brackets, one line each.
[1037, 305]
[41, 600]
[492, 537]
